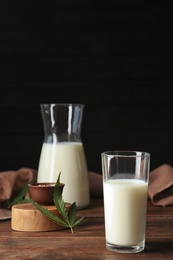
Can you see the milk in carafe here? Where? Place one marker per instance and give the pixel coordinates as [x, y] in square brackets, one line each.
[69, 159]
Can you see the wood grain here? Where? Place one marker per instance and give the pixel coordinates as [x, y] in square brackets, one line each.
[88, 240]
[26, 217]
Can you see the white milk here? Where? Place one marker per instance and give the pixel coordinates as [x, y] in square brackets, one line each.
[69, 159]
[125, 203]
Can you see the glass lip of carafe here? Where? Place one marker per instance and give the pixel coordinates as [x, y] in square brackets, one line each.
[62, 121]
[63, 104]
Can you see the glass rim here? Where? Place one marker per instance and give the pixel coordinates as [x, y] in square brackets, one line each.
[126, 153]
[62, 104]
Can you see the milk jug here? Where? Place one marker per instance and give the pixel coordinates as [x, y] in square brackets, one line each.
[63, 151]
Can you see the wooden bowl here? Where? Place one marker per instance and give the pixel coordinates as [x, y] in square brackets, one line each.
[42, 192]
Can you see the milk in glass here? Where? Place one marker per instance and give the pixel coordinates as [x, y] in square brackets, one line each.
[125, 201]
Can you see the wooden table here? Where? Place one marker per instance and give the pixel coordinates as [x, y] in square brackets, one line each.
[88, 239]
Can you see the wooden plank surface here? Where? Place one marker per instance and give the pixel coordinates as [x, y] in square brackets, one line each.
[88, 239]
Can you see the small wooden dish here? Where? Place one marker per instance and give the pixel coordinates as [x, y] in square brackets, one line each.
[42, 192]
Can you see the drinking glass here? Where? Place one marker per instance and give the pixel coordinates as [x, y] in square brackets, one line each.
[125, 188]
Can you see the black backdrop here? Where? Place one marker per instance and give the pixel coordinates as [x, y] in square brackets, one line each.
[113, 56]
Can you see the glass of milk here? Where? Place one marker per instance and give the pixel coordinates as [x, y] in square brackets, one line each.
[62, 151]
[125, 187]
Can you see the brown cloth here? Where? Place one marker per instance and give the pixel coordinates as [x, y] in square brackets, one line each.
[160, 189]
[12, 181]
[10, 184]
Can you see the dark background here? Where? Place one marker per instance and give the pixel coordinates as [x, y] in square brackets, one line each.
[116, 57]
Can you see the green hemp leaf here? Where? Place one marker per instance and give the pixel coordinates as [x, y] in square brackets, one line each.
[68, 218]
[19, 198]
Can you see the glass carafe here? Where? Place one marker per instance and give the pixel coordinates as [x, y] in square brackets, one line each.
[63, 151]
